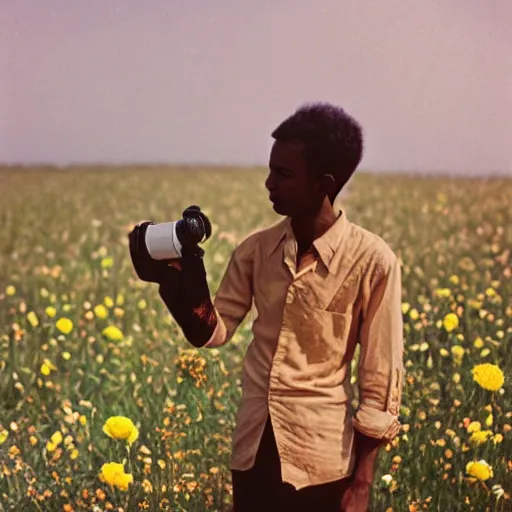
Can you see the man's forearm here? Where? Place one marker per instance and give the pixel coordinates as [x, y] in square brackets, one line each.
[366, 449]
[197, 319]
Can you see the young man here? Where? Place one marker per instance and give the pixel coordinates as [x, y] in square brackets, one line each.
[320, 285]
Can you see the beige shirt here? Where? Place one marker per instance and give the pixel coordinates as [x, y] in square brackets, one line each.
[298, 364]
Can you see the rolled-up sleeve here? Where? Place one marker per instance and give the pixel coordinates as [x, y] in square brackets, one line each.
[234, 297]
[380, 370]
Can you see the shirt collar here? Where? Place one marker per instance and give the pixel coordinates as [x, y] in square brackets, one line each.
[326, 245]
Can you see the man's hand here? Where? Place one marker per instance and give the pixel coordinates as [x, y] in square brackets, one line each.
[357, 497]
[147, 268]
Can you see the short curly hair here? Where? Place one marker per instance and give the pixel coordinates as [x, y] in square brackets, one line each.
[333, 140]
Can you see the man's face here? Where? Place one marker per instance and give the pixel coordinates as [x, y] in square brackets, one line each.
[293, 192]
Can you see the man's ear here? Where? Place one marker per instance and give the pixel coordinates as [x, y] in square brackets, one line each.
[329, 185]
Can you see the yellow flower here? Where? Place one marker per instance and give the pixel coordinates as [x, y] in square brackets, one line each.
[451, 322]
[120, 299]
[64, 325]
[113, 474]
[475, 304]
[4, 434]
[113, 333]
[458, 353]
[498, 438]
[454, 280]
[488, 376]
[51, 447]
[50, 311]
[10, 290]
[478, 343]
[142, 304]
[108, 302]
[101, 311]
[480, 437]
[120, 427]
[74, 454]
[107, 262]
[474, 426]
[489, 420]
[32, 319]
[444, 352]
[414, 314]
[485, 352]
[66, 356]
[480, 470]
[57, 437]
[55, 440]
[47, 367]
[443, 292]
[146, 485]
[490, 292]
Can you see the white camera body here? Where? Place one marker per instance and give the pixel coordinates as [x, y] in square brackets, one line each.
[162, 242]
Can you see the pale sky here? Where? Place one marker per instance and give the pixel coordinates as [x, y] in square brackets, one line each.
[206, 81]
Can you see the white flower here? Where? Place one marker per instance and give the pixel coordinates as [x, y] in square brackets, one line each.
[498, 491]
[387, 479]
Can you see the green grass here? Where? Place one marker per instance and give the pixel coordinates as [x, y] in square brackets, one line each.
[63, 243]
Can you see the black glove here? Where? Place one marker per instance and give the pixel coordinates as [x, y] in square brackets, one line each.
[146, 268]
[186, 294]
[194, 227]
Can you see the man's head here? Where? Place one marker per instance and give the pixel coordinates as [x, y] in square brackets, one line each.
[318, 141]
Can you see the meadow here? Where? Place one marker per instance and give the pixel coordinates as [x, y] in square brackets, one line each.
[83, 341]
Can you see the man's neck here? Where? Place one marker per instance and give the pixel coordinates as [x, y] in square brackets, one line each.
[307, 229]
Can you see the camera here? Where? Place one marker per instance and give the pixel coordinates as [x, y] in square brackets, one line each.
[152, 244]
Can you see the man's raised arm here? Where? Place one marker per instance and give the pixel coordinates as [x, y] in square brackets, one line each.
[185, 292]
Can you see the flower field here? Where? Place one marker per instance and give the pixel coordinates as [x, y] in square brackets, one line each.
[105, 406]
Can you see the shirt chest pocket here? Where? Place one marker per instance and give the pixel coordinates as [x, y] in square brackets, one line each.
[321, 335]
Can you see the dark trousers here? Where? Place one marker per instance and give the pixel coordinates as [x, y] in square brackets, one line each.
[261, 488]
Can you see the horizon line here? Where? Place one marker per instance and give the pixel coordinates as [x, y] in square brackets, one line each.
[121, 164]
